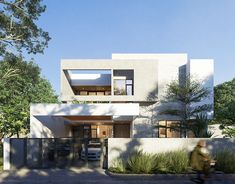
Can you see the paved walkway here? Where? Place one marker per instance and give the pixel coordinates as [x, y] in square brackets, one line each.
[96, 176]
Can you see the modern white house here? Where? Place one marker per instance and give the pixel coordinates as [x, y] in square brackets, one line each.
[118, 97]
[112, 98]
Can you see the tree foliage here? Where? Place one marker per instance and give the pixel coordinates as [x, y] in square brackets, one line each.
[225, 106]
[185, 102]
[22, 86]
[18, 29]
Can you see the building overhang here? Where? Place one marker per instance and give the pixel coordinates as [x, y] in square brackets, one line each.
[109, 109]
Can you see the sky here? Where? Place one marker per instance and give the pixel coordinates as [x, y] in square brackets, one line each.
[94, 29]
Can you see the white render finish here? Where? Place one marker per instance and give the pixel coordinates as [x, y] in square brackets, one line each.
[118, 109]
[6, 154]
[152, 74]
[48, 127]
[46, 120]
[203, 71]
[145, 78]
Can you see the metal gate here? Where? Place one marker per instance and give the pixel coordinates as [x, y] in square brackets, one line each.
[57, 152]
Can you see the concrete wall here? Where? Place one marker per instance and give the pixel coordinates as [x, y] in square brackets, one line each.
[168, 67]
[47, 121]
[48, 127]
[105, 109]
[203, 71]
[119, 147]
[144, 125]
[6, 154]
[152, 73]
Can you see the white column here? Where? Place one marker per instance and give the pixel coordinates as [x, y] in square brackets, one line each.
[6, 153]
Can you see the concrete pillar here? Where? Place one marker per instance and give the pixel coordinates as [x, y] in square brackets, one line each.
[6, 154]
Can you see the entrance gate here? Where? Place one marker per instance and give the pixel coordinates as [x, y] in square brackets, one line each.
[57, 152]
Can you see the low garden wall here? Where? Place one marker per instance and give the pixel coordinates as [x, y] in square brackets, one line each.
[123, 147]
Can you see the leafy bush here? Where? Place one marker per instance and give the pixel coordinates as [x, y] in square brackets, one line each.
[225, 161]
[139, 162]
[118, 166]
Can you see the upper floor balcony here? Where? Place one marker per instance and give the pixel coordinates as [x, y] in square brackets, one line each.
[108, 81]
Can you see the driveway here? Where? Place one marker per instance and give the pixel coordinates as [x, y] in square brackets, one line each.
[94, 176]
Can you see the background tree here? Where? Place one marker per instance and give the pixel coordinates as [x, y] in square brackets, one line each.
[18, 29]
[18, 92]
[20, 81]
[182, 100]
[225, 107]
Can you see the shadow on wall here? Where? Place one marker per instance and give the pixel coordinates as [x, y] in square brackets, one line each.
[220, 144]
[153, 95]
[146, 128]
[130, 146]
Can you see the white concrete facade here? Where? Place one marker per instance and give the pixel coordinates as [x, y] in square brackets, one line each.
[151, 75]
[6, 154]
[134, 116]
[47, 120]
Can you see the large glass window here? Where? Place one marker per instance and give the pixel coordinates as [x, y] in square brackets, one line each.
[119, 86]
[171, 129]
[123, 82]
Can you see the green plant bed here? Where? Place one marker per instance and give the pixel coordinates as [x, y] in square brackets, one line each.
[225, 161]
[118, 166]
[144, 163]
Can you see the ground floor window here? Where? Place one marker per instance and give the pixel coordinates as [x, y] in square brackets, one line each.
[98, 130]
[171, 129]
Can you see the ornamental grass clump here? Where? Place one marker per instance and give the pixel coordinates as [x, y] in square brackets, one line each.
[139, 162]
[145, 163]
[171, 162]
[118, 166]
[161, 162]
[225, 161]
[177, 161]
